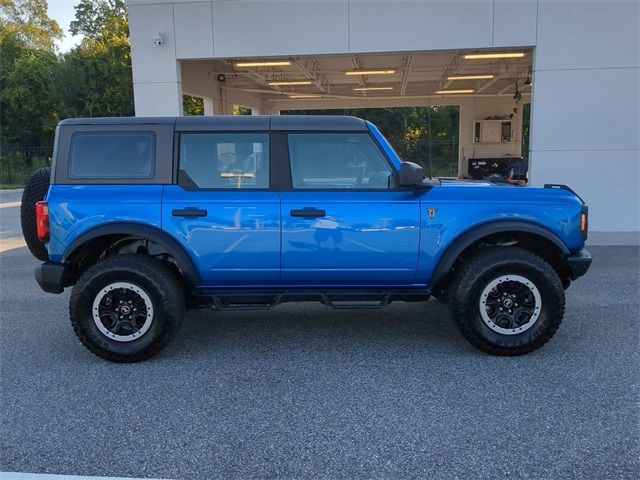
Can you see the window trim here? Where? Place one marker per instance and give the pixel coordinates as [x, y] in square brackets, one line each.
[123, 178]
[394, 173]
[187, 183]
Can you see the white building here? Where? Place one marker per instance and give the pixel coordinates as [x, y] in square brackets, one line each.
[580, 71]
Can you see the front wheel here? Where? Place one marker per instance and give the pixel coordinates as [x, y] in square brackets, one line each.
[507, 301]
[127, 307]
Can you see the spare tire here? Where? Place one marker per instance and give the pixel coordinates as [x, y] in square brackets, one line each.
[35, 191]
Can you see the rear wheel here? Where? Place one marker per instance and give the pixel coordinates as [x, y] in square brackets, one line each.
[507, 301]
[35, 191]
[126, 308]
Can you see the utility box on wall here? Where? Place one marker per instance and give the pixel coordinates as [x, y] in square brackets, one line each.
[492, 131]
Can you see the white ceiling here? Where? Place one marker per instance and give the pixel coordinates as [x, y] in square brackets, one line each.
[416, 74]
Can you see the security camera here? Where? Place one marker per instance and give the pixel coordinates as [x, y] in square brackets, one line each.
[158, 40]
[221, 77]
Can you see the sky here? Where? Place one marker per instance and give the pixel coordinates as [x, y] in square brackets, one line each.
[62, 12]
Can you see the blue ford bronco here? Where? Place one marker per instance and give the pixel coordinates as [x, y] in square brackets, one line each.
[145, 217]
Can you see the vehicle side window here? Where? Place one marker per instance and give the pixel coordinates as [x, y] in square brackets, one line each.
[226, 160]
[337, 161]
[112, 155]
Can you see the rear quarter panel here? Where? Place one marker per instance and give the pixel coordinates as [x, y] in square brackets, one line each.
[463, 207]
[77, 209]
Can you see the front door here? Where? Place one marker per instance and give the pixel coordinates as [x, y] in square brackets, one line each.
[343, 222]
[223, 212]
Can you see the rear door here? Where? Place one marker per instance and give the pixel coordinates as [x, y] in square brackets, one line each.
[223, 211]
[344, 222]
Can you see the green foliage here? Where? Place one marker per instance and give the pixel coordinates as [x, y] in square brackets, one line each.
[39, 88]
[239, 110]
[27, 21]
[94, 79]
[192, 105]
[427, 136]
[100, 19]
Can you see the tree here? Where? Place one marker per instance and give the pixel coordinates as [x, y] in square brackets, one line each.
[27, 60]
[94, 78]
[29, 22]
[100, 18]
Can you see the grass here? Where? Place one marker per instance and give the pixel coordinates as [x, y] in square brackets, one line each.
[5, 186]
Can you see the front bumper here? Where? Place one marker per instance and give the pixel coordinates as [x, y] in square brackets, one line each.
[579, 263]
[49, 277]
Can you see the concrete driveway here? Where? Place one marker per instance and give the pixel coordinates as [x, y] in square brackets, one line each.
[303, 391]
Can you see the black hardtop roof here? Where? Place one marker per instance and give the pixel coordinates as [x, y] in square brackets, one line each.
[235, 122]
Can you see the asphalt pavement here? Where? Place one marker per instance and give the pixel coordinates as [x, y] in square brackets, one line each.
[303, 391]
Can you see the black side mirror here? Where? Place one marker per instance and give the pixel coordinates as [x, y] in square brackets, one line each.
[411, 174]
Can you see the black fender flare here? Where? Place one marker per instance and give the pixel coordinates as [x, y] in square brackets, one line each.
[154, 234]
[460, 244]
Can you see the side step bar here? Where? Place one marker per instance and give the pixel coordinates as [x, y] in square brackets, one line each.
[337, 299]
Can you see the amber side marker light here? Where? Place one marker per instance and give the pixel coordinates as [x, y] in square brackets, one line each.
[584, 222]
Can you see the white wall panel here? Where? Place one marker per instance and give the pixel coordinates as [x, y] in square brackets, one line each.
[419, 25]
[286, 27]
[586, 109]
[158, 99]
[194, 30]
[514, 22]
[152, 63]
[607, 181]
[588, 34]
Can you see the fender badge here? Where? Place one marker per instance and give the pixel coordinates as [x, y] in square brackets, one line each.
[432, 212]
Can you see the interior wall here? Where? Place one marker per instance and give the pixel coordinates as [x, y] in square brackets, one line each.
[479, 109]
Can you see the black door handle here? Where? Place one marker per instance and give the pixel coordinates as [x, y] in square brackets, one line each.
[189, 212]
[308, 213]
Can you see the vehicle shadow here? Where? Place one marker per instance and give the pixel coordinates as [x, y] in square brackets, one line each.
[310, 327]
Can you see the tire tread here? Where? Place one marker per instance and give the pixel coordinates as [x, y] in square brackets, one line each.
[35, 191]
[471, 272]
[171, 293]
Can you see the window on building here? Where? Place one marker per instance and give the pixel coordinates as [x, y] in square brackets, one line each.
[112, 155]
[228, 161]
[337, 161]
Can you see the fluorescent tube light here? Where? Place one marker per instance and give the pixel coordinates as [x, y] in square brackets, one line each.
[482, 56]
[293, 82]
[470, 77]
[371, 89]
[370, 72]
[453, 92]
[283, 63]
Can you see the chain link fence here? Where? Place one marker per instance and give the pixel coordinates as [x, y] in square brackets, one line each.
[17, 164]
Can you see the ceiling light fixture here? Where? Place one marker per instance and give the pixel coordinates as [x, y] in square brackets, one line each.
[370, 89]
[483, 56]
[453, 92]
[288, 83]
[470, 77]
[282, 63]
[304, 96]
[370, 72]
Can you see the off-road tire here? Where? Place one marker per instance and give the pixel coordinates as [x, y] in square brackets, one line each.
[34, 191]
[479, 271]
[160, 284]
